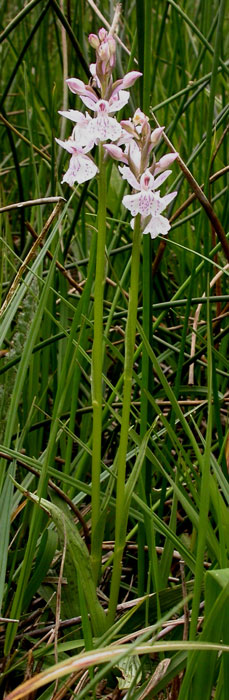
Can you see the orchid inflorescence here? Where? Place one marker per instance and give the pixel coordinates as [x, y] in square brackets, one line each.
[104, 98]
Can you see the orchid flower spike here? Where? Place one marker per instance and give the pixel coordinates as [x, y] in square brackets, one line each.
[102, 126]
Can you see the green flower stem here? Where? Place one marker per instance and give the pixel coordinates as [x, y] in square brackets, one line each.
[97, 366]
[121, 514]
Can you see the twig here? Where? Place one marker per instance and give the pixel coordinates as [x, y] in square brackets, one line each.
[178, 212]
[32, 203]
[23, 138]
[195, 324]
[29, 257]
[60, 267]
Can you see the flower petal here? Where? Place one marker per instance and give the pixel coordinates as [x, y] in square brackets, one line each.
[147, 181]
[74, 115]
[127, 81]
[68, 145]
[104, 127]
[131, 202]
[134, 153]
[119, 101]
[145, 203]
[89, 102]
[156, 225]
[161, 178]
[81, 168]
[127, 174]
[164, 201]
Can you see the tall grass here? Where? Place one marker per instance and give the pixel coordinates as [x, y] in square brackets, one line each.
[147, 617]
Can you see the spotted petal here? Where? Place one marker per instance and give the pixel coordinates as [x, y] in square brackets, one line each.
[146, 201]
[131, 202]
[81, 168]
[104, 127]
[156, 225]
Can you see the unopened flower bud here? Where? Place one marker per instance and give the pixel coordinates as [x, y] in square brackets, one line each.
[103, 52]
[129, 78]
[145, 132]
[156, 135]
[165, 162]
[94, 41]
[112, 45]
[115, 152]
[102, 34]
[128, 126]
[75, 85]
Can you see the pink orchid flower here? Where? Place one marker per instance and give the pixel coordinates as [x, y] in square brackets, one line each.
[81, 166]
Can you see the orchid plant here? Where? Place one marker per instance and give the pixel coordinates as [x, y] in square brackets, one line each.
[132, 143]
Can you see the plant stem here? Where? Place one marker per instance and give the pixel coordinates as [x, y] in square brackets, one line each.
[97, 365]
[120, 531]
[147, 375]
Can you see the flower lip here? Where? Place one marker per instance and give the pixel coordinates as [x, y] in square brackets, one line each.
[102, 106]
[147, 181]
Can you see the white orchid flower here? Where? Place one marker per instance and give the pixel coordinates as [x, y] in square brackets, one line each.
[81, 132]
[157, 225]
[102, 126]
[81, 166]
[145, 201]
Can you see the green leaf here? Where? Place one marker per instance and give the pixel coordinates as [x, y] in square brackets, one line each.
[79, 556]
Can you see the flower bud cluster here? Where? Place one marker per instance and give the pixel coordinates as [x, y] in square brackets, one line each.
[105, 47]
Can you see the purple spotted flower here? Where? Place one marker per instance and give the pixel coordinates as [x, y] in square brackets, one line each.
[81, 166]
